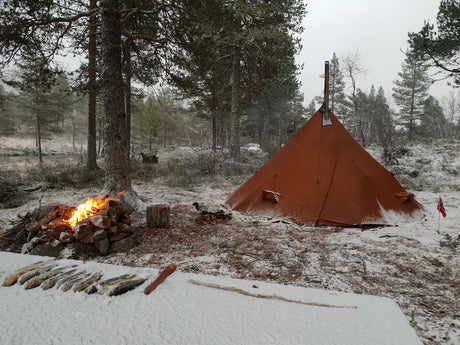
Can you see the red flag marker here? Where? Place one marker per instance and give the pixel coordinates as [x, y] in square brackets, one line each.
[441, 207]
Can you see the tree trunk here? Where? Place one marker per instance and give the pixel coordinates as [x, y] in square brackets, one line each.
[214, 121]
[164, 132]
[235, 103]
[74, 134]
[39, 136]
[91, 163]
[128, 77]
[411, 111]
[116, 137]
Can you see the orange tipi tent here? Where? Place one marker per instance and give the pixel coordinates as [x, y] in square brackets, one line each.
[322, 176]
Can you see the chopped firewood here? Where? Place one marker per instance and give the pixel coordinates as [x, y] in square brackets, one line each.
[96, 286]
[38, 280]
[51, 282]
[87, 282]
[76, 279]
[125, 285]
[158, 216]
[163, 275]
[31, 274]
[243, 292]
[107, 288]
[12, 279]
[211, 214]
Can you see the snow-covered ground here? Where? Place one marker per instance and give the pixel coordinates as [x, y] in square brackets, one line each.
[179, 312]
[415, 262]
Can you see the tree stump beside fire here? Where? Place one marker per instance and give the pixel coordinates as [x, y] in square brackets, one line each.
[158, 216]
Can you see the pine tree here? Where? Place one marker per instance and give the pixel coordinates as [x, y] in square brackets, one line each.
[441, 46]
[44, 95]
[383, 127]
[6, 115]
[410, 91]
[433, 123]
[337, 88]
[355, 116]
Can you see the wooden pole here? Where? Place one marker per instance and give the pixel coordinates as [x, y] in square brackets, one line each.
[163, 275]
[243, 292]
[439, 218]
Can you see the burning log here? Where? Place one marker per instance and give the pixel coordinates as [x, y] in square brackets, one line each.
[158, 216]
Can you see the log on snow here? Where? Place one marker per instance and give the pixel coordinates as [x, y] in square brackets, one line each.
[163, 275]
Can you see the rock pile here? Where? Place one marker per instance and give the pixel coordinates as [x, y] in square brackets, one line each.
[97, 235]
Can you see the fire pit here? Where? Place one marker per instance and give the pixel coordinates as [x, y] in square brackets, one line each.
[96, 225]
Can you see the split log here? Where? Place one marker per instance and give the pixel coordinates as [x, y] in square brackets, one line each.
[50, 282]
[38, 280]
[76, 280]
[67, 283]
[87, 282]
[93, 288]
[247, 293]
[12, 279]
[163, 275]
[158, 216]
[31, 274]
[126, 286]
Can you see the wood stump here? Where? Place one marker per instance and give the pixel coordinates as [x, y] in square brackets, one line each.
[158, 216]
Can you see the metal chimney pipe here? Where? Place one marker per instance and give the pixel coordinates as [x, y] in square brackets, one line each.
[326, 119]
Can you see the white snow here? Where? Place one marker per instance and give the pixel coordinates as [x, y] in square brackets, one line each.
[179, 312]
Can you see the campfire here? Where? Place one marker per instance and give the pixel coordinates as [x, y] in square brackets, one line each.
[98, 222]
[88, 209]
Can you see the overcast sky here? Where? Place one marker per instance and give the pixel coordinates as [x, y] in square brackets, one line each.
[377, 29]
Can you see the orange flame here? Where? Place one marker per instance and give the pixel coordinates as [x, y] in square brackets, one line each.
[88, 209]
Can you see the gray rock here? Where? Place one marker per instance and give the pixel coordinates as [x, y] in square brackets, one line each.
[47, 249]
[123, 245]
[82, 250]
[103, 245]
